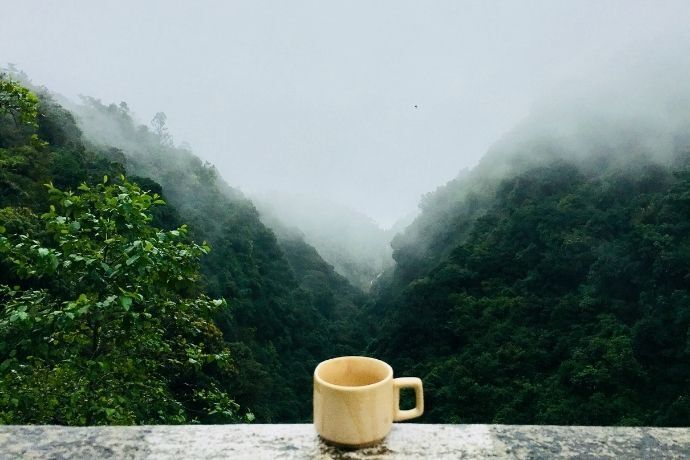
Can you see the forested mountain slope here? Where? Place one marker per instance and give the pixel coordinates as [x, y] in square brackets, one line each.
[280, 318]
[551, 283]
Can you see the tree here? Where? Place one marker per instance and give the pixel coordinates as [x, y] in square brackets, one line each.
[102, 321]
[17, 102]
[18, 114]
[158, 123]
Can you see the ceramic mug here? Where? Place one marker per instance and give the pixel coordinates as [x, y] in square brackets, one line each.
[356, 400]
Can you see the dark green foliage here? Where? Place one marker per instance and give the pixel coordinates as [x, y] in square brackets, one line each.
[567, 303]
[335, 298]
[165, 217]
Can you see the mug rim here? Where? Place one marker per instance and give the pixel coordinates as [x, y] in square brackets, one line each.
[389, 374]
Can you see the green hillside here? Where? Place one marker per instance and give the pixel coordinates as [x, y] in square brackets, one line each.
[546, 287]
[278, 322]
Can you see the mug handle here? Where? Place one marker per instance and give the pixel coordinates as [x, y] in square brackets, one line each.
[408, 382]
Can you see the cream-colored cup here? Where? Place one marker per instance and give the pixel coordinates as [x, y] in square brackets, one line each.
[356, 400]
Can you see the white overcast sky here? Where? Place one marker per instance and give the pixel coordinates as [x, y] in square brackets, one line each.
[317, 97]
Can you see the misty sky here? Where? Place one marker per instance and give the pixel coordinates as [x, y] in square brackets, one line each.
[318, 97]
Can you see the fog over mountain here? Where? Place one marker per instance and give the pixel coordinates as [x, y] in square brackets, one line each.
[627, 112]
[354, 244]
[366, 104]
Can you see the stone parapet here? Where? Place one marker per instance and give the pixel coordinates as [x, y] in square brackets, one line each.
[407, 441]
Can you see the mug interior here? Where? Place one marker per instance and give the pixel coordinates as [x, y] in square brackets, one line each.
[353, 371]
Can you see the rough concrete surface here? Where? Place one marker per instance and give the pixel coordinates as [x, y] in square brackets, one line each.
[300, 441]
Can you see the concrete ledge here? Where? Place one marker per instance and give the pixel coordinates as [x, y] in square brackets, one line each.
[300, 441]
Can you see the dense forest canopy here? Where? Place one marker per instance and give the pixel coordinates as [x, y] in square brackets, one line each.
[567, 303]
[550, 284]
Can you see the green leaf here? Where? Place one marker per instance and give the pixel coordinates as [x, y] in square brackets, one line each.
[126, 302]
